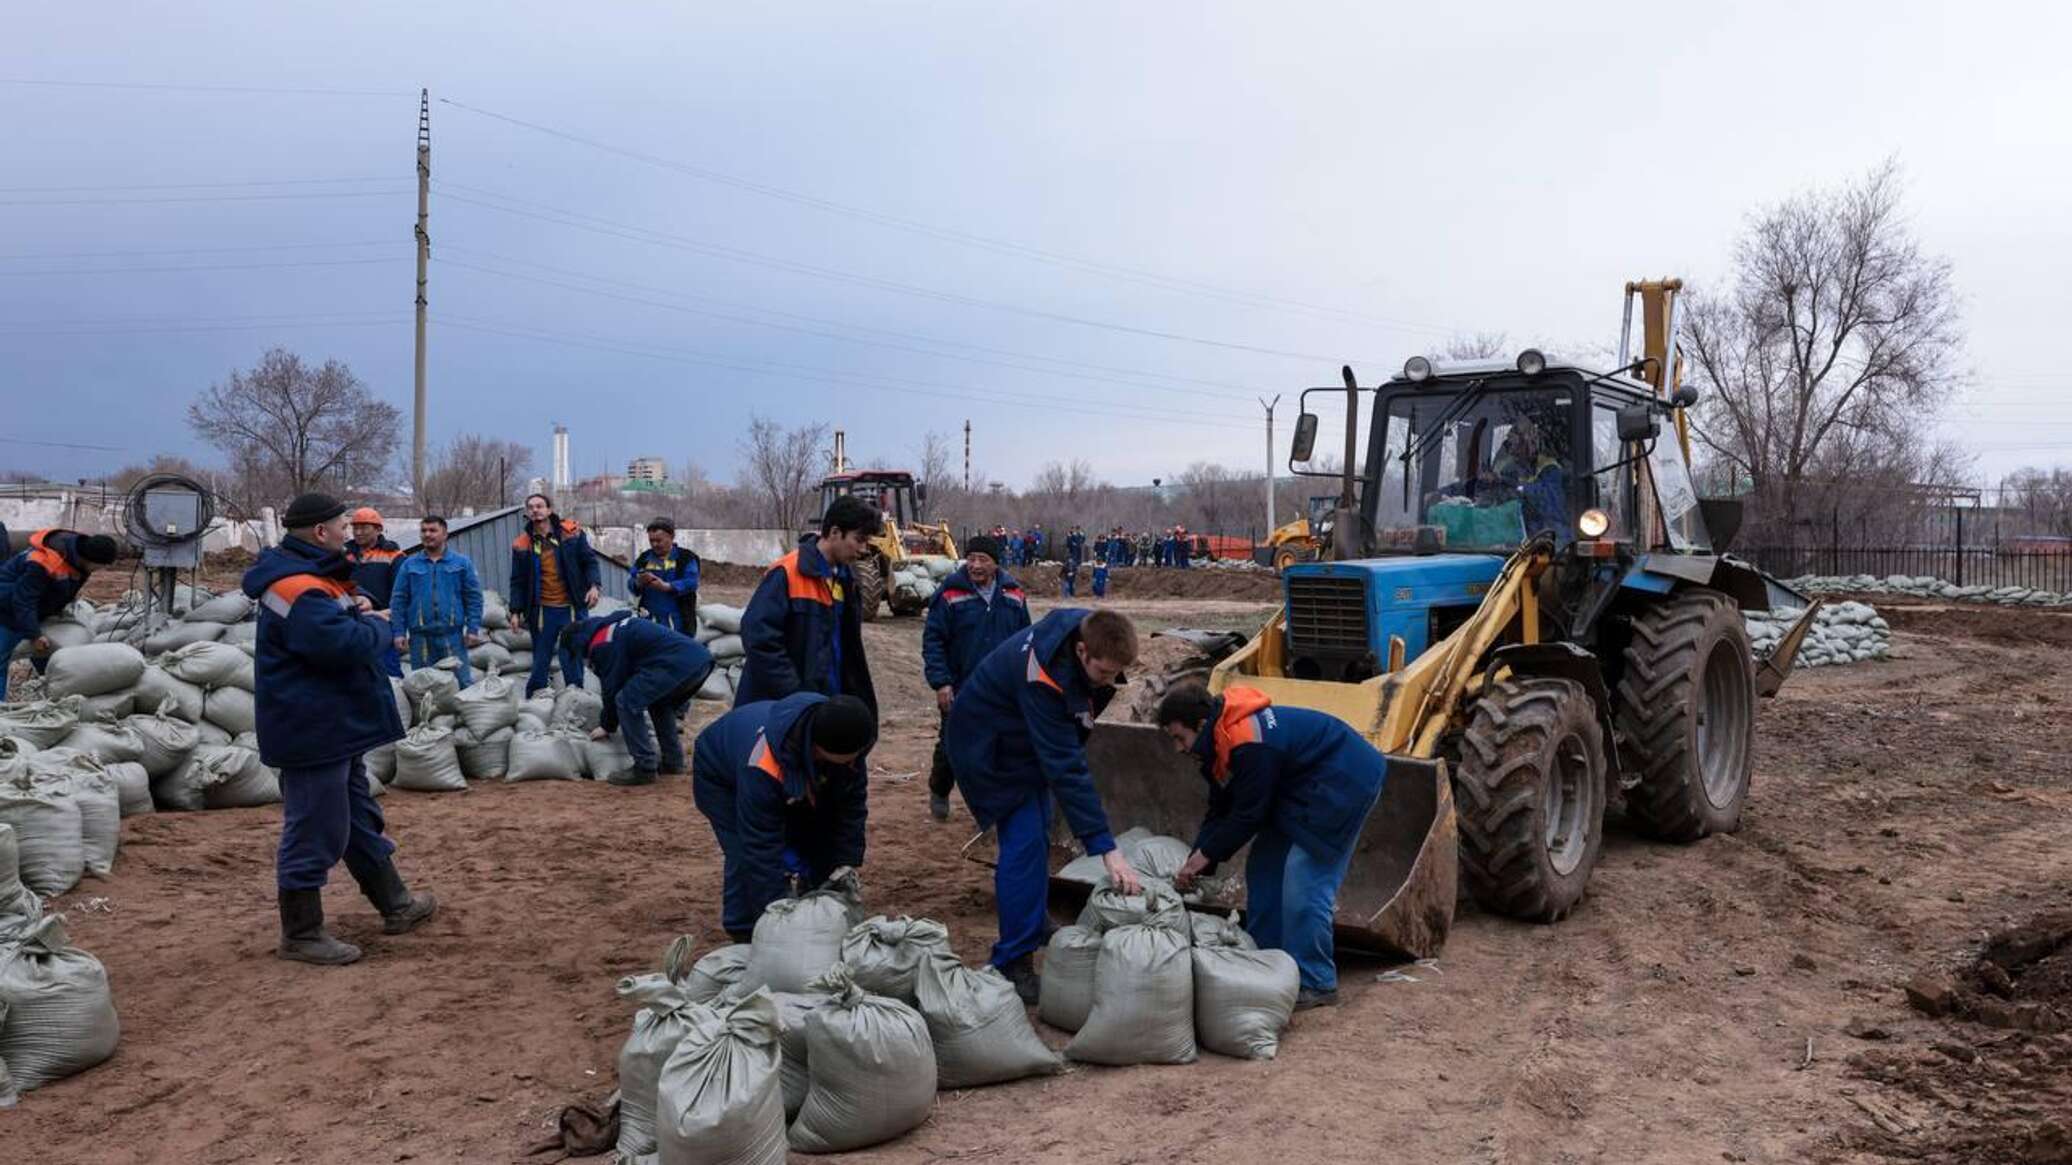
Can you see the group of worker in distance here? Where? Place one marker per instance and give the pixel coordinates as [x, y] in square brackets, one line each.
[782, 777]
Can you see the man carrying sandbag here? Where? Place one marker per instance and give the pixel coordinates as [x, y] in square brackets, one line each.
[803, 629]
[1017, 738]
[1298, 786]
[783, 784]
[39, 583]
[649, 674]
[322, 701]
[437, 609]
[974, 611]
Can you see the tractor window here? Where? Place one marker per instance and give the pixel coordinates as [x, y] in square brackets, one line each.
[1614, 486]
[1493, 472]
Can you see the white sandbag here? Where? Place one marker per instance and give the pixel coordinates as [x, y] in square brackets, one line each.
[794, 1078]
[719, 1100]
[165, 740]
[92, 669]
[716, 686]
[180, 635]
[82, 778]
[1158, 904]
[1066, 987]
[374, 786]
[182, 790]
[132, 788]
[602, 758]
[870, 1072]
[1210, 930]
[426, 761]
[60, 1014]
[186, 598]
[1155, 857]
[210, 665]
[540, 704]
[553, 755]
[9, 1094]
[61, 633]
[1143, 1010]
[797, 939]
[405, 712]
[381, 763]
[577, 708]
[207, 733]
[240, 780]
[1086, 868]
[240, 635]
[42, 723]
[47, 835]
[246, 740]
[488, 704]
[496, 614]
[722, 618]
[979, 1026]
[107, 743]
[884, 955]
[718, 975]
[527, 722]
[113, 706]
[1242, 999]
[485, 758]
[229, 607]
[727, 647]
[234, 710]
[666, 1016]
[517, 641]
[157, 686]
[432, 692]
[19, 906]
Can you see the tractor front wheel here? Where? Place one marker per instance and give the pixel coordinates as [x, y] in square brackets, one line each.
[1687, 716]
[869, 573]
[1530, 793]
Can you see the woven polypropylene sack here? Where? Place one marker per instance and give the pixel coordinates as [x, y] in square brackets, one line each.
[1156, 857]
[180, 635]
[870, 1073]
[231, 709]
[719, 1100]
[19, 905]
[92, 669]
[1143, 1010]
[797, 939]
[979, 1026]
[485, 758]
[545, 756]
[602, 758]
[720, 617]
[664, 1019]
[1158, 905]
[718, 975]
[885, 955]
[113, 706]
[241, 781]
[42, 724]
[490, 659]
[488, 704]
[47, 836]
[230, 607]
[1242, 999]
[427, 763]
[1066, 991]
[496, 614]
[107, 743]
[517, 641]
[406, 714]
[166, 740]
[160, 689]
[381, 763]
[181, 790]
[540, 704]
[60, 1015]
[132, 788]
[210, 665]
[727, 647]
[794, 1077]
[83, 778]
[432, 693]
[1212, 930]
[578, 709]
[240, 634]
[1086, 868]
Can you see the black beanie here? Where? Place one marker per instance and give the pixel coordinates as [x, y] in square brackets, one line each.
[984, 544]
[311, 510]
[844, 724]
[97, 548]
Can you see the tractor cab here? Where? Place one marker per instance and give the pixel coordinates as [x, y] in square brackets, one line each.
[893, 491]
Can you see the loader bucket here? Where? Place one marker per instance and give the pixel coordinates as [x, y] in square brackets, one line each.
[1399, 892]
[1772, 672]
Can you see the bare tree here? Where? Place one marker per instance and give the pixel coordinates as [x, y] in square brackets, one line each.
[780, 466]
[288, 428]
[477, 471]
[1473, 346]
[1833, 343]
[1211, 489]
[2043, 498]
[934, 463]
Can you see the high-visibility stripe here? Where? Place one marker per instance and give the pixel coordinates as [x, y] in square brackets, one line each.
[51, 561]
[762, 758]
[1242, 722]
[800, 585]
[604, 636]
[1037, 675]
[280, 597]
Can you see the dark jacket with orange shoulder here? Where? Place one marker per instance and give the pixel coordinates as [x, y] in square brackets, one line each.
[1304, 774]
[803, 632]
[40, 582]
[321, 692]
[572, 553]
[374, 569]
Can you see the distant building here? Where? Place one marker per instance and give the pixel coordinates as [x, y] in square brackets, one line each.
[647, 471]
[561, 461]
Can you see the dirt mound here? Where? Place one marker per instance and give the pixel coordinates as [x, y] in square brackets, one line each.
[729, 574]
[2011, 626]
[1152, 583]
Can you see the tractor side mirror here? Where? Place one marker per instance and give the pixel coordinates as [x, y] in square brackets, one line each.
[1305, 438]
[921, 492]
[1637, 423]
[1684, 397]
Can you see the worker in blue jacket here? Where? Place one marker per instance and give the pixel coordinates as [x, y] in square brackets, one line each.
[665, 579]
[435, 605]
[803, 629]
[648, 674]
[1017, 737]
[783, 784]
[1296, 785]
[38, 583]
[323, 701]
[973, 612]
[554, 582]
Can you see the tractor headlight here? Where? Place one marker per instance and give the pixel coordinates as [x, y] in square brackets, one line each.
[1417, 368]
[1593, 523]
[1532, 362]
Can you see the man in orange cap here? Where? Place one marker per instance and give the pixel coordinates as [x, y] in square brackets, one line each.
[373, 560]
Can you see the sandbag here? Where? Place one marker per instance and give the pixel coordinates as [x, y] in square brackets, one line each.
[722, 618]
[884, 955]
[81, 777]
[797, 939]
[517, 641]
[1210, 930]
[490, 659]
[602, 758]
[1155, 857]
[488, 704]
[539, 704]
[727, 647]
[183, 789]
[180, 635]
[496, 614]
[92, 669]
[716, 686]
[207, 733]
[666, 1016]
[374, 786]
[19, 905]
[718, 1101]
[210, 665]
[381, 763]
[405, 713]
[1143, 1010]
[9, 1094]
[432, 693]
[229, 607]
[870, 1072]
[553, 755]
[794, 1079]
[577, 708]
[43, 723]
[979, 1026]
[157, 687]
[240, 635]
[113, 706]
[231, 709]
[1242, 999]
[164, 739]
[47, 835]
[717, 975]
[426, 761]
[132, 788]
[1159, 905]
[60, 1015]
[1087, 868]
[485, 758]
[107, 743]
[1066, 987]
[240, 780]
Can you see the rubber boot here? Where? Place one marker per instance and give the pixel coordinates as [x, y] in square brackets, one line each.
[303, 937]
[401, 910]
[1027, 983]
[938, 806]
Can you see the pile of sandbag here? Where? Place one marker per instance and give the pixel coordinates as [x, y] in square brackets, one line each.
[719, 629]
[57, 1017]
[65, 809]
[915, 579]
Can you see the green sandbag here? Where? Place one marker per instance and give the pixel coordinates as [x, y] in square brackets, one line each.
[1242, 999]
[871, 1072]
[979, 1026]
[60, 1015]
[1143, 1010]
[718, 1101]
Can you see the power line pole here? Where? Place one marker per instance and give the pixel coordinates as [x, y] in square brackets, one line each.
[1271, 526]
[967, 455]
[424, 255]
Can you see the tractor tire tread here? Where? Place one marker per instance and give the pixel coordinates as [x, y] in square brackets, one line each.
[1654, 707]
[1497, 790]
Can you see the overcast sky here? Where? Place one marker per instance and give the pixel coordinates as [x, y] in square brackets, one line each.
[1093, 230]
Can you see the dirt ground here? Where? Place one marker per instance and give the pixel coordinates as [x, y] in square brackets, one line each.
[1698, 1006]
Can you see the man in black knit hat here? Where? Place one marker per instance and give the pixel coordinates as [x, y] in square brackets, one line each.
[974, 611]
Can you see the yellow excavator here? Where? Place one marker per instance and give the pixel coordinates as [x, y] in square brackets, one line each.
[1301, 539]
[1526, 607]
[905, 538]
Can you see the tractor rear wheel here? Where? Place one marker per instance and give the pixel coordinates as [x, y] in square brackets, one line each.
[1686, 716]
[1529, 794]
[869, 572]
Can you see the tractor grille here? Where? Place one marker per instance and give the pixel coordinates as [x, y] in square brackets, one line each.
[1327, 615]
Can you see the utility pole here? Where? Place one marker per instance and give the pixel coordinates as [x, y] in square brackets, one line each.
[424, 255]
[967, 455]
[1271, 526]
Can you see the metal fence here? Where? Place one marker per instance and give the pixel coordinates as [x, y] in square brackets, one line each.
[2048, 569]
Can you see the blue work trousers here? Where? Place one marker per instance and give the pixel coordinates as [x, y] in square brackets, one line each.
[1071, 575]
[1100, 580]
[544, 643]
[1290, 901]
[663, 751]
[327, 814]
[1021, 882]
[429, 645]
